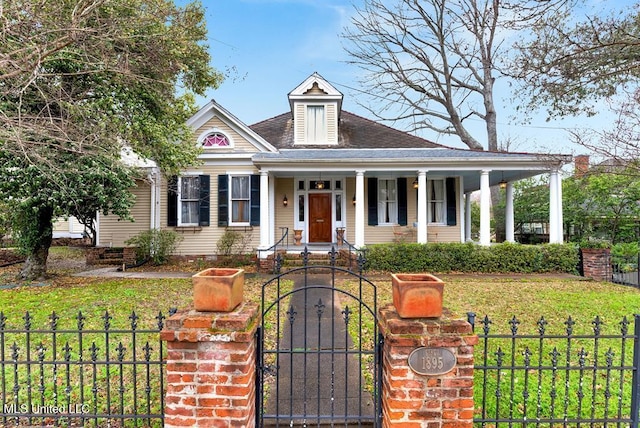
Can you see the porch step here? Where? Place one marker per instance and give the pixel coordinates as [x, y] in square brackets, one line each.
[293, 259]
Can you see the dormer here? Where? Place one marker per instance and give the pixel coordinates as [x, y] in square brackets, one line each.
[315, 108]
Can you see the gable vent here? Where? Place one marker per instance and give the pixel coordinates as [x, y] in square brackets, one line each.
[315, 89]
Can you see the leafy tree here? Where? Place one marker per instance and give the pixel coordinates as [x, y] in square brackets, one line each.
[603, 203]
[585, 65]
[80, 80]
[530, 205]
[567, 65]
[5, 220]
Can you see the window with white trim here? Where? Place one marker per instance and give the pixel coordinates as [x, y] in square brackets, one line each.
[240, 196]
[436, 200]
[214, 138]
[189, 200]
[316, 124]
[387, 202]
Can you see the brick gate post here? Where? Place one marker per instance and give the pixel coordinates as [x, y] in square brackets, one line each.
[210, 368]
[413, 400]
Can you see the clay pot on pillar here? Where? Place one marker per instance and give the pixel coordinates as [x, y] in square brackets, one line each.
[417, 295]
[218, 290]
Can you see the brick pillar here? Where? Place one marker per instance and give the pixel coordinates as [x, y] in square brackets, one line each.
[596, 263]
[412, 400]
[211, 368]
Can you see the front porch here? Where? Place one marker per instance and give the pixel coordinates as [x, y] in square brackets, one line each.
[391, 200]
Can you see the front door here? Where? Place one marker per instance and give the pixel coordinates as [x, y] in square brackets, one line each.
[320, 217]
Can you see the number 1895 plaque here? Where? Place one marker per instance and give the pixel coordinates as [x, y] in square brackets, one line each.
[431, 361]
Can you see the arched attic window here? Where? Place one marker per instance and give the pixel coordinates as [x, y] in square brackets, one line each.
[214, 139]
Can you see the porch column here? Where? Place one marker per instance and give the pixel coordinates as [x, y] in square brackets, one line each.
[272, 211]
[422, 207]
[485, 208]
[155, 180]
[467, 217]
[359, 232]
[508, 214]
[264, 211]
[560, 211]
[461, 204]
[555, 208]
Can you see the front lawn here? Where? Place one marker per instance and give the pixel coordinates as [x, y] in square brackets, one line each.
[499, 297]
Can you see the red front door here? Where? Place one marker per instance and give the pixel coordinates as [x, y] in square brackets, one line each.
[320, 217]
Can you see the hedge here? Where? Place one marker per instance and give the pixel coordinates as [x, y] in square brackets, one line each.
[470, 257]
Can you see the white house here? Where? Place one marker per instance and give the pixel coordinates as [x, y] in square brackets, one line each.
[321, 170]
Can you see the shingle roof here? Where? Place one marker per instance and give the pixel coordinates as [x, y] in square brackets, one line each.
[355, 132]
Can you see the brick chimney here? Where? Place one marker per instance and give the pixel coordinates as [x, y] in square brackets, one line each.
[581, 165]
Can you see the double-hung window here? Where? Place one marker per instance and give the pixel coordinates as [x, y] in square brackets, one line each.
[240, 199]
[436, 200]
[387, 202]
[189, 200]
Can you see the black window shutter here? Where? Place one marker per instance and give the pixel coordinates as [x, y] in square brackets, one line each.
[223, 200]
[172, 201]
[372, 200]
[205, 204]
[451, 201]
[255, 200]
[402, 201]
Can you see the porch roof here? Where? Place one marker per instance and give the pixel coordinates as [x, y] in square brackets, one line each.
[437, 161]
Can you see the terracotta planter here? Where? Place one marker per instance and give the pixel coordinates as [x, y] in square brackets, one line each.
[417, 295]
[217, 290]
[297, 236]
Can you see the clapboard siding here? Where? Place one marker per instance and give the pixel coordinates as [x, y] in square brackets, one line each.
[115, 231]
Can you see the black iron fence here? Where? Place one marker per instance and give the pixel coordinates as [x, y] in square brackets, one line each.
[82, 371]
[558, 373]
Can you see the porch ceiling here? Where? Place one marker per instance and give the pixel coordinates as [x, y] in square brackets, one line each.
[406, 162]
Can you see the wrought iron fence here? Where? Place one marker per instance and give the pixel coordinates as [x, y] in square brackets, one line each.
[558, 375]
[82, 371]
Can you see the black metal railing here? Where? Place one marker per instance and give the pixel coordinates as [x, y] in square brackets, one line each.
[625, 269]
[273, 250]
[82, 371]
[354, 254]
[558, 375]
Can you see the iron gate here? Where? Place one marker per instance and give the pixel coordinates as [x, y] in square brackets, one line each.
[318, 356]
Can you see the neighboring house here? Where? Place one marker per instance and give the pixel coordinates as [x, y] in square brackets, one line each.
[68, 228]
[318, 169]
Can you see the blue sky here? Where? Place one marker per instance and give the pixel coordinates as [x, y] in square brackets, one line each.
[273, 45]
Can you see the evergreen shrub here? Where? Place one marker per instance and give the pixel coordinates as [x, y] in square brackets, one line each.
[470, 257]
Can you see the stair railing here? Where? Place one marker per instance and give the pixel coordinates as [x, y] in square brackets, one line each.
[273, 250]
[359, 255]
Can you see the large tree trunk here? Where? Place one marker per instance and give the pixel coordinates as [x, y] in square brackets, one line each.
[35, 267]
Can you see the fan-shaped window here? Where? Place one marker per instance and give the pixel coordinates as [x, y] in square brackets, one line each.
[214, 140]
